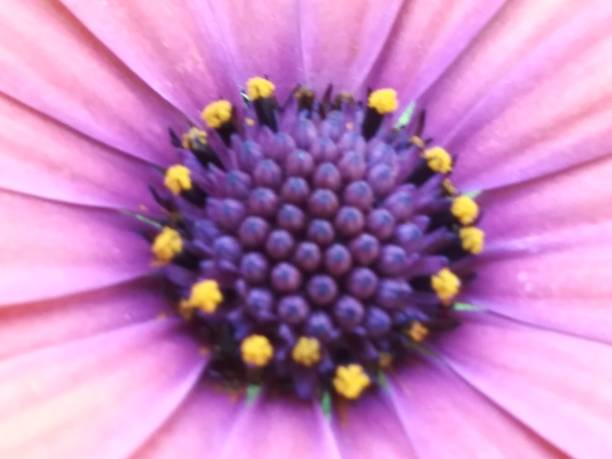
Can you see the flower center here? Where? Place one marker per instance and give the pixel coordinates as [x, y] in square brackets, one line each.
[312, 245]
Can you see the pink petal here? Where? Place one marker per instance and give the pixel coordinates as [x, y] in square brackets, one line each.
[556, 384]
[52, 249]
[341, 40]
[261, 39]
[427, 37]
[201, 424]
[55, 66]
[370, 428]
[505, 108]
[448, 419]
[46, 323]
[164, 46]
[42, 157]
[98, 397]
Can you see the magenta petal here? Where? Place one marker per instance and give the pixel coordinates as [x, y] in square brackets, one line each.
[55, 66]
[505, 108]
[52, 249]
[164, 46]
[427, 37]
[557, 385]
[341, 40]
[46, 323]
[371, 428]
[448, 419]
[43, 157]
[97, 398]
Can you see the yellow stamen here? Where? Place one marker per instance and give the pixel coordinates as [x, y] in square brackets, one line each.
[307, 351]
[217, 113]
[465, 209]
[178, 179]
[417, 141]
[167, 245]
[259, 88]
[472, 239]
[446, 284]
[250, 121]
[192, 137]
[256, 350]
[383, 101]
[449, 187]
[205, 295]
[438, 160]
[351, 380]
[385, 360]
[417, 332]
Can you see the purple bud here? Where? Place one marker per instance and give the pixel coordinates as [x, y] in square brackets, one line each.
[393, 260]
[338, 260]
[393, 293]
[321, 231]
[323, 203]
[282, 144]
[306, 133]
[253, 231]
[381, 223]
[324, 149]
[400, 204]
[254, 267]
[227, 213]
[227, 248]
[290, 217]
[249, 155]
[263, 202]
[359, 194]
[259, 303]
[327, 176]
[299, 163]
[362, 283]
[268, 174]
[295, 190]
[307, 256]
[322, 289]
[382, 178]
[377, 322]
[349, 221]
[348, 312]
[279, 244]
[352, 165]
[408, 233]
[320, 326]
[237, 184]
[365, 248]
[286, 278]
[293, 309]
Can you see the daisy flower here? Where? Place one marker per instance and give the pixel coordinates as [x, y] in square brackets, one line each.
[305, 229]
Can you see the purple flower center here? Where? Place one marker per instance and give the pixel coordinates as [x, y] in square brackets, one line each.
[314, 246]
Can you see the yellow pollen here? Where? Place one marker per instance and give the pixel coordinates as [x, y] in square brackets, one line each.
[178, 179]
[167, 245]
[351, 380]
[449, 187]
[472, 239]
[385, 360]
[417, 332]
[417, 141]
[438, 160]
[256, 350]
[465, 209]
[250, 121]
[217, 113]
[192, 136]
[307, 351]
[383, 101]
[205, 295]
[259, 88]
[446, 284]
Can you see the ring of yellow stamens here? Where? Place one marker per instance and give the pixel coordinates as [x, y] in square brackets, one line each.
[446, 284]
[217, 113]
[464, 209]
[166, 245]
[193, 136]
[178, 179]
[259, 88]
[307, 351]
[383, 101]
[438, 160]
[417, 332]
[205, 295]
[351, 380]
[472, 239]
[256, 350]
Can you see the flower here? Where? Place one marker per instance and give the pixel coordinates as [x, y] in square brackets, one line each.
[95, 360]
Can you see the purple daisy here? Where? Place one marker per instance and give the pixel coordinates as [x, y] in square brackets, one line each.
[311, 229]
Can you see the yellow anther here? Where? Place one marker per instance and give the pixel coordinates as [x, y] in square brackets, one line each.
[167, 245]
[205, 295]
[464, 209]
[249, 121]
[385, 360]
[351, 380]
[438, 160]
[256, 350]
[307, 351]
[472, 239]
[417, 141]
[446, 284]
[178, 179]
[217, 113]
[192, 137]
[449, 187]
[259, 88]
[417, 332]
[383, 101]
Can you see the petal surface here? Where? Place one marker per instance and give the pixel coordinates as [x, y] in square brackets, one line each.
[91, 91]
[118, 386]
[52, 249]
[557, 385]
